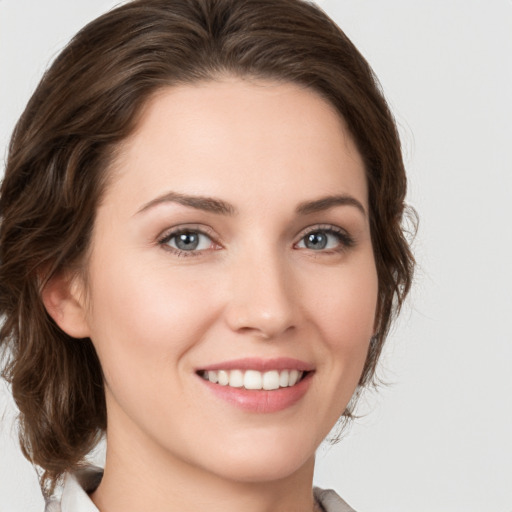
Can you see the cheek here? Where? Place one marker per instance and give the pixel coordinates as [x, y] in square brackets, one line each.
[142, 315]
[344, 313]
[143, 328]
[342, 310]
[344, 303]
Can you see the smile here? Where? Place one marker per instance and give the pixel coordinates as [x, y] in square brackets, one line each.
[254, 379]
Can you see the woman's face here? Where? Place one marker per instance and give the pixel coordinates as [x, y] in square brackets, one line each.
[231, 250]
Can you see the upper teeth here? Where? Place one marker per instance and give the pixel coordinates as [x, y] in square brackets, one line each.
[253, 379]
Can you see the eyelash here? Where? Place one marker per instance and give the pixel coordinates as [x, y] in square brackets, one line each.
[167, 237]
[344, 239]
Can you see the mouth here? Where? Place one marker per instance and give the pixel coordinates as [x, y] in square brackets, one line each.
[251, 379]
[257, 385]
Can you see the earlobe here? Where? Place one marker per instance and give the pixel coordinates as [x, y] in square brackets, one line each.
[63, 299]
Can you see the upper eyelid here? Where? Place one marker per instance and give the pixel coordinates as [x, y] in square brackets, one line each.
[322, 227]
[204, 230]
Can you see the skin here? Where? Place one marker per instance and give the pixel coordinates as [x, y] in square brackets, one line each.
[253, 289]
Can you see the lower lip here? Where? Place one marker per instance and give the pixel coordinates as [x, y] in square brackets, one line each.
[261, 401]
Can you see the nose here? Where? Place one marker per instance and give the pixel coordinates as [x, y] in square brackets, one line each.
[262, 297]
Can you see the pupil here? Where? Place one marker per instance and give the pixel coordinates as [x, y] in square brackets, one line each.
[187, 241]
[316, 241]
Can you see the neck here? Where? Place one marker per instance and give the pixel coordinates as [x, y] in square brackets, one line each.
[139, 476]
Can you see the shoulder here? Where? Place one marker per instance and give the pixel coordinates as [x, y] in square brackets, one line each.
[330, 501]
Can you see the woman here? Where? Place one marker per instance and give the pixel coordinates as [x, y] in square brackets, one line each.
[201, 254]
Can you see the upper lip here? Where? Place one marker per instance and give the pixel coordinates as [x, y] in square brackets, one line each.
[250, 363]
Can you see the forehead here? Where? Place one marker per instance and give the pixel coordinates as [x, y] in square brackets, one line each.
[240, 138]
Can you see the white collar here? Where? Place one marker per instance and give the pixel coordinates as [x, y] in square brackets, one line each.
[75, 489]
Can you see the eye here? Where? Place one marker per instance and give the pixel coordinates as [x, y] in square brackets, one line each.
[187, 241]
[325, 239]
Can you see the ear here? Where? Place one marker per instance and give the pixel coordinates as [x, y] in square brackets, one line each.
[63, 297]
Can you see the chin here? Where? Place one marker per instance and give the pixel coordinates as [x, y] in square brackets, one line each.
[265, 458]
[272, 469]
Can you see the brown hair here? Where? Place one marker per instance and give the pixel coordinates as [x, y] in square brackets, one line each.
[86, 103]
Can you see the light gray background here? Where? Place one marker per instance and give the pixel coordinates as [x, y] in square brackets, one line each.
[439, 436]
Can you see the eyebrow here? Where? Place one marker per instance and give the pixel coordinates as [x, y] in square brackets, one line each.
[207, 204]
[325, 203]
[213, 205]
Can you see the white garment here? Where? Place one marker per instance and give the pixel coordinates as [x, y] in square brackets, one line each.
[76, 486]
